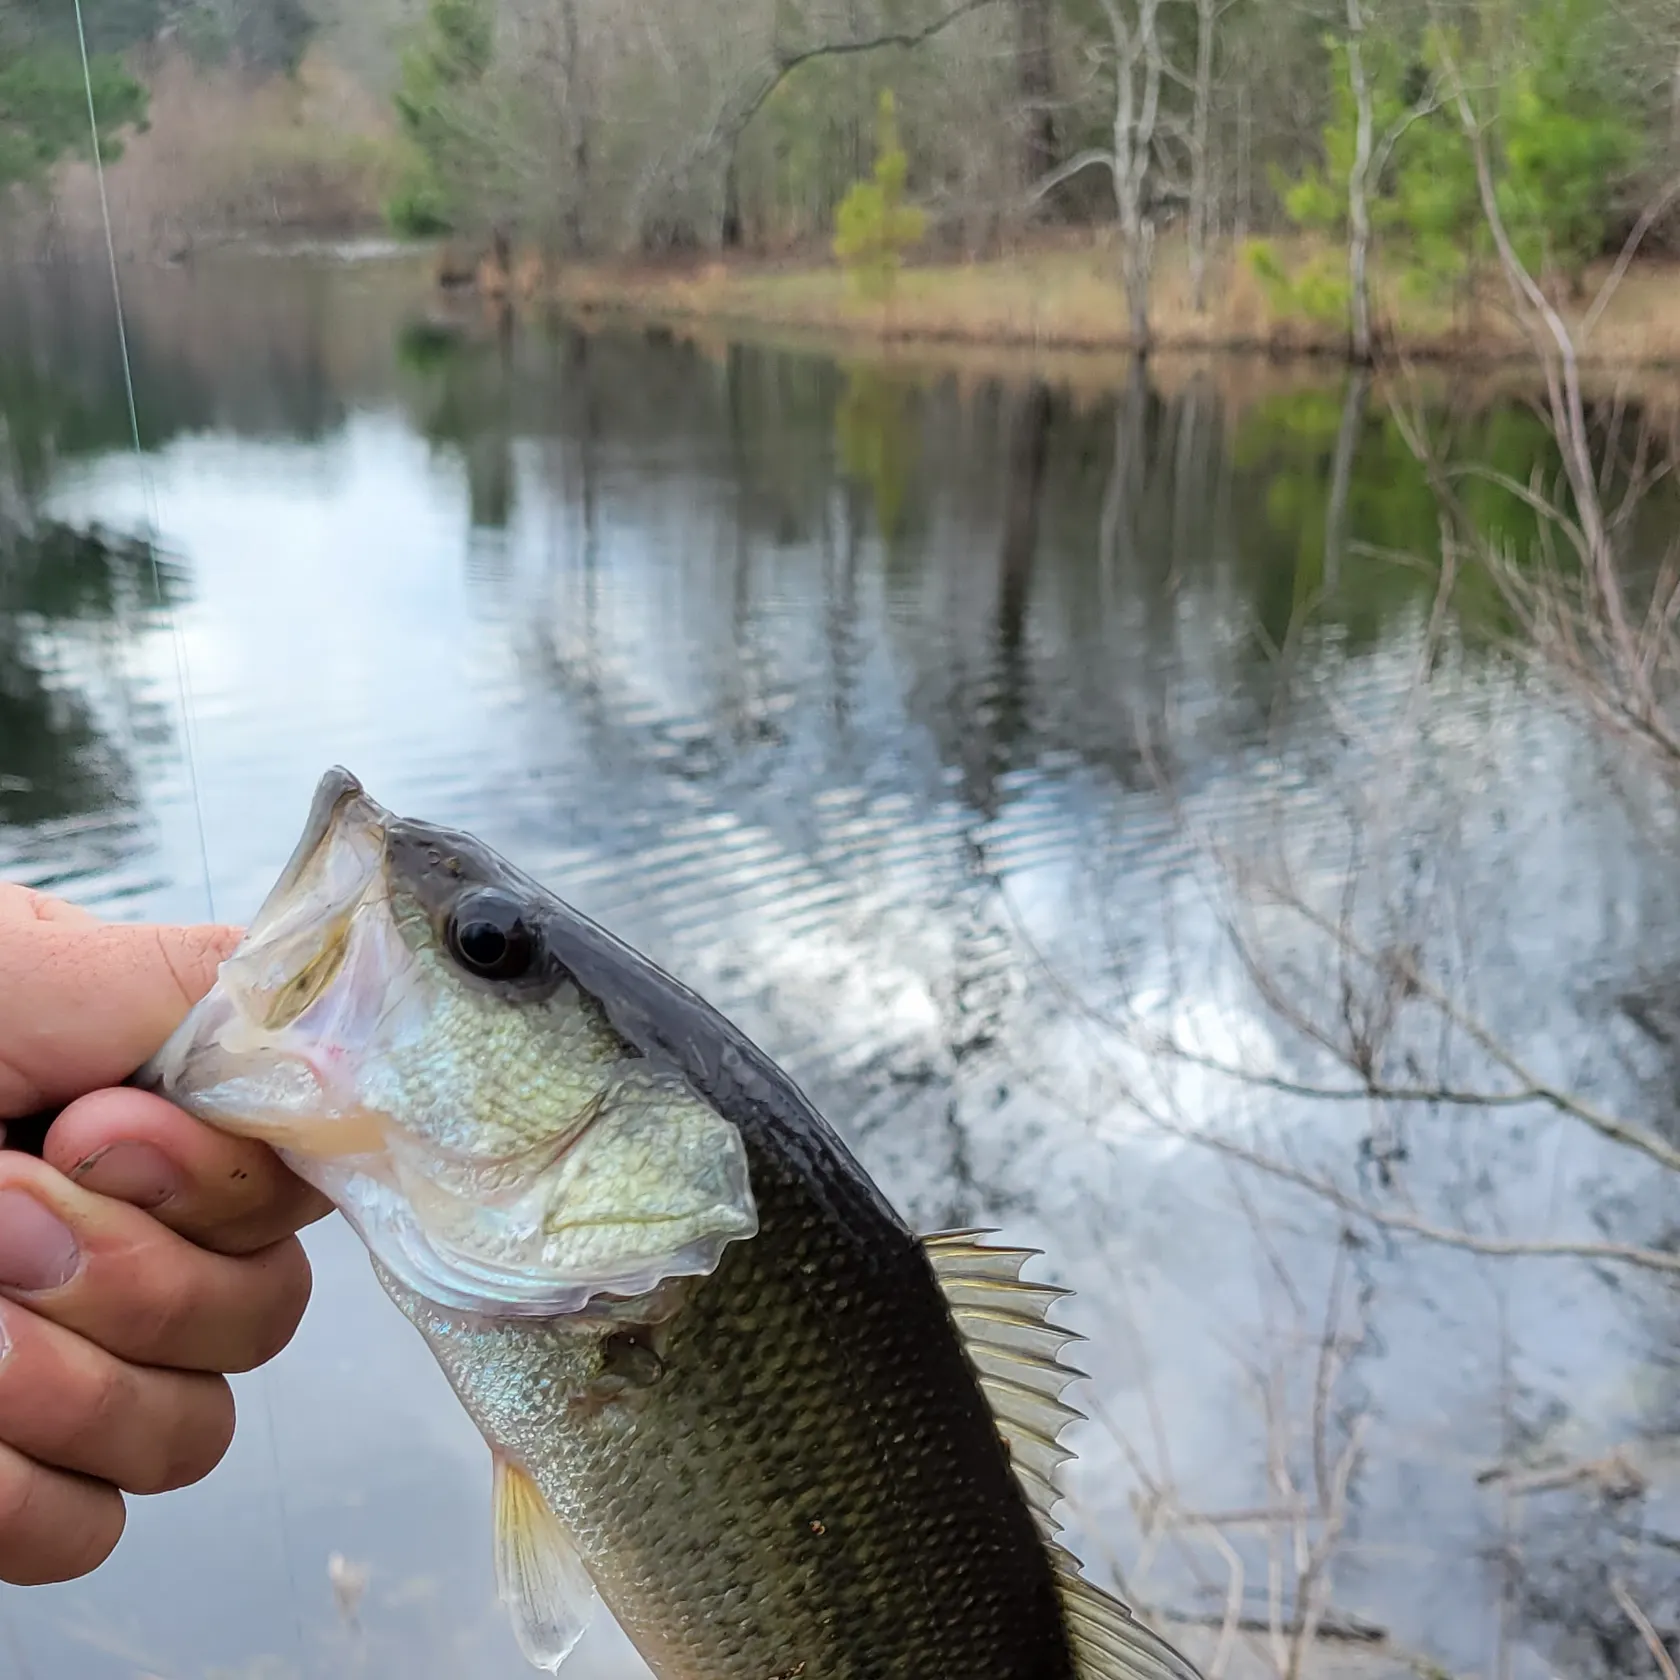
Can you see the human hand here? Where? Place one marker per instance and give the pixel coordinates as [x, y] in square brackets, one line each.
[141, 1258]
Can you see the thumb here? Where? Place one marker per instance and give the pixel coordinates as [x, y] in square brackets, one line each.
[82, 1005]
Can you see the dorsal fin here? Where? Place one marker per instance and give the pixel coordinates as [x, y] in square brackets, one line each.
[1109, 1642]
[1015, 1351]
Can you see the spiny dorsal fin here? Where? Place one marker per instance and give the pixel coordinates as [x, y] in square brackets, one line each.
[1015, 1351]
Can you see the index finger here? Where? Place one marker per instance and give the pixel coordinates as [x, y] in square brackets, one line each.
[88, 1002]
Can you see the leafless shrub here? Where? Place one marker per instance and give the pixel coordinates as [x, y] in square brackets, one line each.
[227, 155]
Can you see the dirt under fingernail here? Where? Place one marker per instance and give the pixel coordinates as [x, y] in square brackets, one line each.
[135, 1173]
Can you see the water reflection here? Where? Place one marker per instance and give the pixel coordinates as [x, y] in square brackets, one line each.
[901, 709]
[68, 597]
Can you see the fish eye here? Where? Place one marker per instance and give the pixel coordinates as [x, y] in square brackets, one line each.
[489, 936]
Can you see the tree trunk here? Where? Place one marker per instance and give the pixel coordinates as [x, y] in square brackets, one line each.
[1674, 107]
[729, 229]
[578, 120]
[1035, 87]
[1138, 267]
[1244, 214]
[1359, 209]
[1207, 17]
[1137, 89]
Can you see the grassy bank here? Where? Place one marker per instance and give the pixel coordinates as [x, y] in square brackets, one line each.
[1068, 296]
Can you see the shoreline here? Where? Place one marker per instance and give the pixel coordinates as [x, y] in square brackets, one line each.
[1059, 296]
[1068, 300]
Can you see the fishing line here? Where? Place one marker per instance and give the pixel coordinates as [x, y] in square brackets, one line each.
[183, 692]
[148, 490]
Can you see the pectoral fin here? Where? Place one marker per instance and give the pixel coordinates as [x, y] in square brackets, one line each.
[539, 1577]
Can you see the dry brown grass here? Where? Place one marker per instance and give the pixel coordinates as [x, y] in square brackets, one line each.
[1068, 298]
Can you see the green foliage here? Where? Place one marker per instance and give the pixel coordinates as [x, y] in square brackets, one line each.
[1559, 141]
[1261, 256]
[44, 113]
[439, 73]
[874, 227]
[1566, 143]
[1317, 199]
[1433, 209]
[1318, 289]
[425, 347]
[418, 207]
[1420, 193]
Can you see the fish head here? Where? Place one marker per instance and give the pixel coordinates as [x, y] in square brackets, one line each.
[401, 1024]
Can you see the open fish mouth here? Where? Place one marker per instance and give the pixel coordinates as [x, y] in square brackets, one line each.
[268, 1053]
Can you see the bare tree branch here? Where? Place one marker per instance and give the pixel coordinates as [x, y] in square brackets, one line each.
[1642, 1622]
[787, 62]
[1630, 249]
[1629, 1254]
[1607, 1125]
[1563, 382]
[1083, 160]
[1377, 1091]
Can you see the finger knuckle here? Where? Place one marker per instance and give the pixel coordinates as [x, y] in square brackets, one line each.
[166, 1306]
[98, 1415]
[190, 956]
[171, 1293]
[20, 1488]
[124, 1427]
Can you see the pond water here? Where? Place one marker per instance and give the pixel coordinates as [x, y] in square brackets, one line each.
[936, 722]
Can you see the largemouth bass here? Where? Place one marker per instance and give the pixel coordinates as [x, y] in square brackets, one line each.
[723, 1385]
